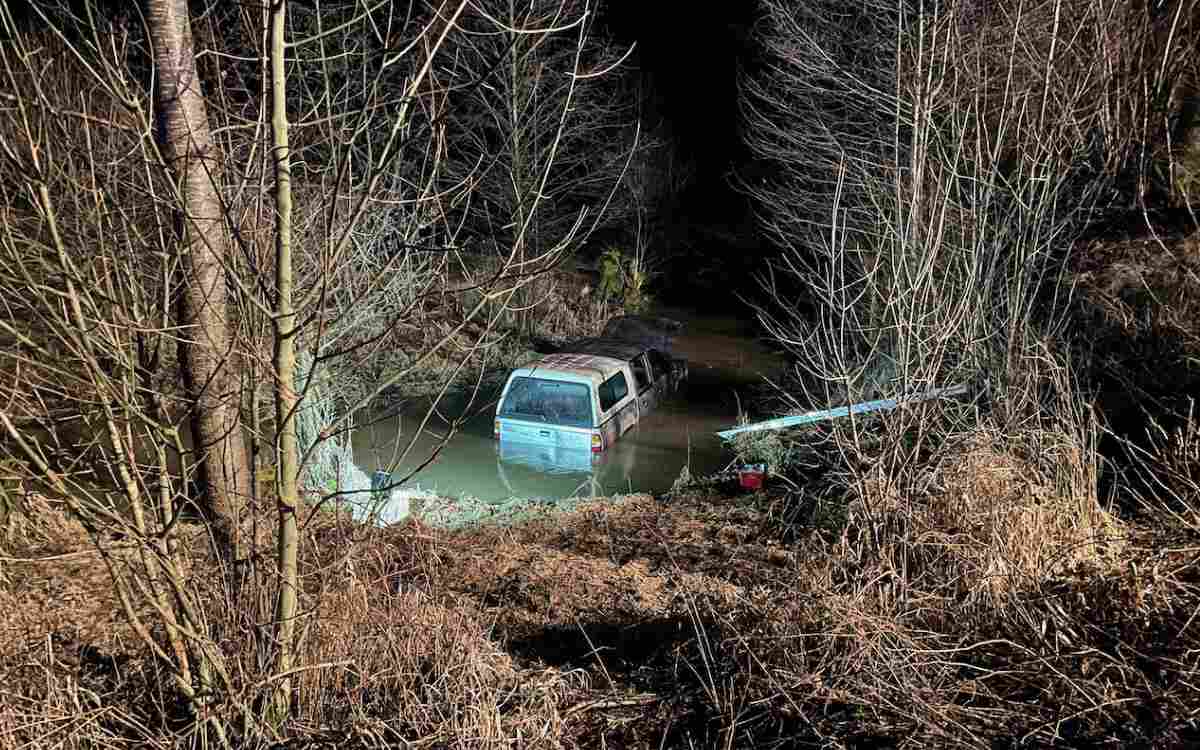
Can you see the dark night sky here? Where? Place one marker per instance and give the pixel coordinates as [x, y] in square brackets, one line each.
[690, 53]
[690, 58]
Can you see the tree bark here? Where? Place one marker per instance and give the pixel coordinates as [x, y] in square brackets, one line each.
[286, 397]
[205, 352]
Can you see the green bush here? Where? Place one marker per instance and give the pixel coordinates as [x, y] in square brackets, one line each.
[624, 278]
[771, 447]
[612, 278]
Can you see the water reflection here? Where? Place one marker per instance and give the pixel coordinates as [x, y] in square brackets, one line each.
[536, 471]
[473, 464]
[649, 458]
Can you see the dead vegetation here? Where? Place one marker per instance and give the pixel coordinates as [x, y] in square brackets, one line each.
[998, 610]
[993, 613]
[1136, 301]
[983, 575]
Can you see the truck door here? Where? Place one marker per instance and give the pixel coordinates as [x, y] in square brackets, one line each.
[666, 374]
[643, 376]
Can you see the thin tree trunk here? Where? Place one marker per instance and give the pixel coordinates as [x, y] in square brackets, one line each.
[205, 352]
[286, 399]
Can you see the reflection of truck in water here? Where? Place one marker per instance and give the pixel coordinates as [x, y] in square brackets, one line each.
[529, 470]
[580, 400]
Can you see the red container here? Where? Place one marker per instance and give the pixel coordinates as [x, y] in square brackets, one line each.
[751, 477]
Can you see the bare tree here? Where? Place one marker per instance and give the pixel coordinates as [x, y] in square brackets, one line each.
[206, 355]
[544, 143]
[286, 397]
[928, 167]
[87, 410]
[276, 225]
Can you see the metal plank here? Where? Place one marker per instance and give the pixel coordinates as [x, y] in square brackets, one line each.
[883, 404]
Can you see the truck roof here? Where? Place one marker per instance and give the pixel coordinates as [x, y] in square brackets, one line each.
[588, 367]
[594, 359]
[585, 367]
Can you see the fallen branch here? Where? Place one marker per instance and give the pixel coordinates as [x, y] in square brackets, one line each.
[607, 703]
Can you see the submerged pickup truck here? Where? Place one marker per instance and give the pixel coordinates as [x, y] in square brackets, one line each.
[584, 397]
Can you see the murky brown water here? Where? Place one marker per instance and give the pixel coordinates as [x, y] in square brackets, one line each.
[723, 358]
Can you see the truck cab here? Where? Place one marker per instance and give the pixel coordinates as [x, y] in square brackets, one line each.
[583, 399]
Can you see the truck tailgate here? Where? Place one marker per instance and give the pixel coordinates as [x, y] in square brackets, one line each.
[556, 436]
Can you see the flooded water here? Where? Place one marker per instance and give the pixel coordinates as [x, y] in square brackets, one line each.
[723, 359]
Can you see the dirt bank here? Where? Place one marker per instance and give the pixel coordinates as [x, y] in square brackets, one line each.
[703, 618]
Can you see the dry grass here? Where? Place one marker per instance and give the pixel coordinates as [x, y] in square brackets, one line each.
[1000, 514]
[1136, 307]
[998, 607]
[385, 661]
[412, 662]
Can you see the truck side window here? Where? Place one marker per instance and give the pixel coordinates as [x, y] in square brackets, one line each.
[641, 372]
[612, 391]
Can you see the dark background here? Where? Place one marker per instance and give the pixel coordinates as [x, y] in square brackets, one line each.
[690, 55]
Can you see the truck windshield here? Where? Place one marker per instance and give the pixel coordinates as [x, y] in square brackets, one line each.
[550, 401]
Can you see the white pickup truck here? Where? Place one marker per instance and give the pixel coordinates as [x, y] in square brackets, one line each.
[584, 398]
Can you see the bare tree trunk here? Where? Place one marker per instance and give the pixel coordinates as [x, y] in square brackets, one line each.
[205, 356]
[286, 398]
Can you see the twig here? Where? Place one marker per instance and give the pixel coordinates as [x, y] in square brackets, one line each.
[607, 703]
[63, 556]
